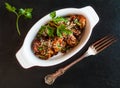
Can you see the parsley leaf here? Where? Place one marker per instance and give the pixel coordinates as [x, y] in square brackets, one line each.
[50, 31]
[60, 19]
[46, 30]
[62, 30]
[57, 19]
[26, 12]
[42, 29]
[55, 29]
[53, 14]
[10, 8]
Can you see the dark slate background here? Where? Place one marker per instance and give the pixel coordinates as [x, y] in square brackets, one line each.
[100, 71]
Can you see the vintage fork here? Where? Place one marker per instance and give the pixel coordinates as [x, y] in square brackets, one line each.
[94, 49]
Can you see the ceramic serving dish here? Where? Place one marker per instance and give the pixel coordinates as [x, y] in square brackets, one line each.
[25, 55]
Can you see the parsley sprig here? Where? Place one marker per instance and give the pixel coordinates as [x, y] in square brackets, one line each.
[57, 19]
[27, 13]
[62, 30]
[46, 30]
[59, 28]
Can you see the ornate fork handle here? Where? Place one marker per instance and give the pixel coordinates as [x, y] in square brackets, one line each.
[94, 49]
[50, 78]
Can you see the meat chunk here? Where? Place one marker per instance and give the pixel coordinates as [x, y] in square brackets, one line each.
[82, 21]
[58, 44]
[76, 32]
[71, 40]
[35, 45]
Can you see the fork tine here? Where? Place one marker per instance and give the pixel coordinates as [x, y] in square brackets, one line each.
[105, 45]
[104, 40]
[100, 40]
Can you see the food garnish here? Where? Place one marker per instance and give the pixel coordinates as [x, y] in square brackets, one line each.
[27, 13]
[60, 34]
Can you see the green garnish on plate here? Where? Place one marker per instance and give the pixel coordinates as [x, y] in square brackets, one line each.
[27, 13]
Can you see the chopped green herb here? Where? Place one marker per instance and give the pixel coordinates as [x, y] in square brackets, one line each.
[42, 29]
[58, 45]
[40, 48]
[50, 31]
[53, 14]
[27, 13]
[62, 30]
[77, 22]
[47, 30]
[59, 19]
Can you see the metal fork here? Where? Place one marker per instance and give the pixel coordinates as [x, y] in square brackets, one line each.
[94, 49]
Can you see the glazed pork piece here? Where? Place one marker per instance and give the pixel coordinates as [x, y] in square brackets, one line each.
[59, 35]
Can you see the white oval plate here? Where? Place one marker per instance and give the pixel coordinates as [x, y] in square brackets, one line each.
[26, 57]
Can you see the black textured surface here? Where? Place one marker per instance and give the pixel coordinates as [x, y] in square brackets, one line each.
[100, 71]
